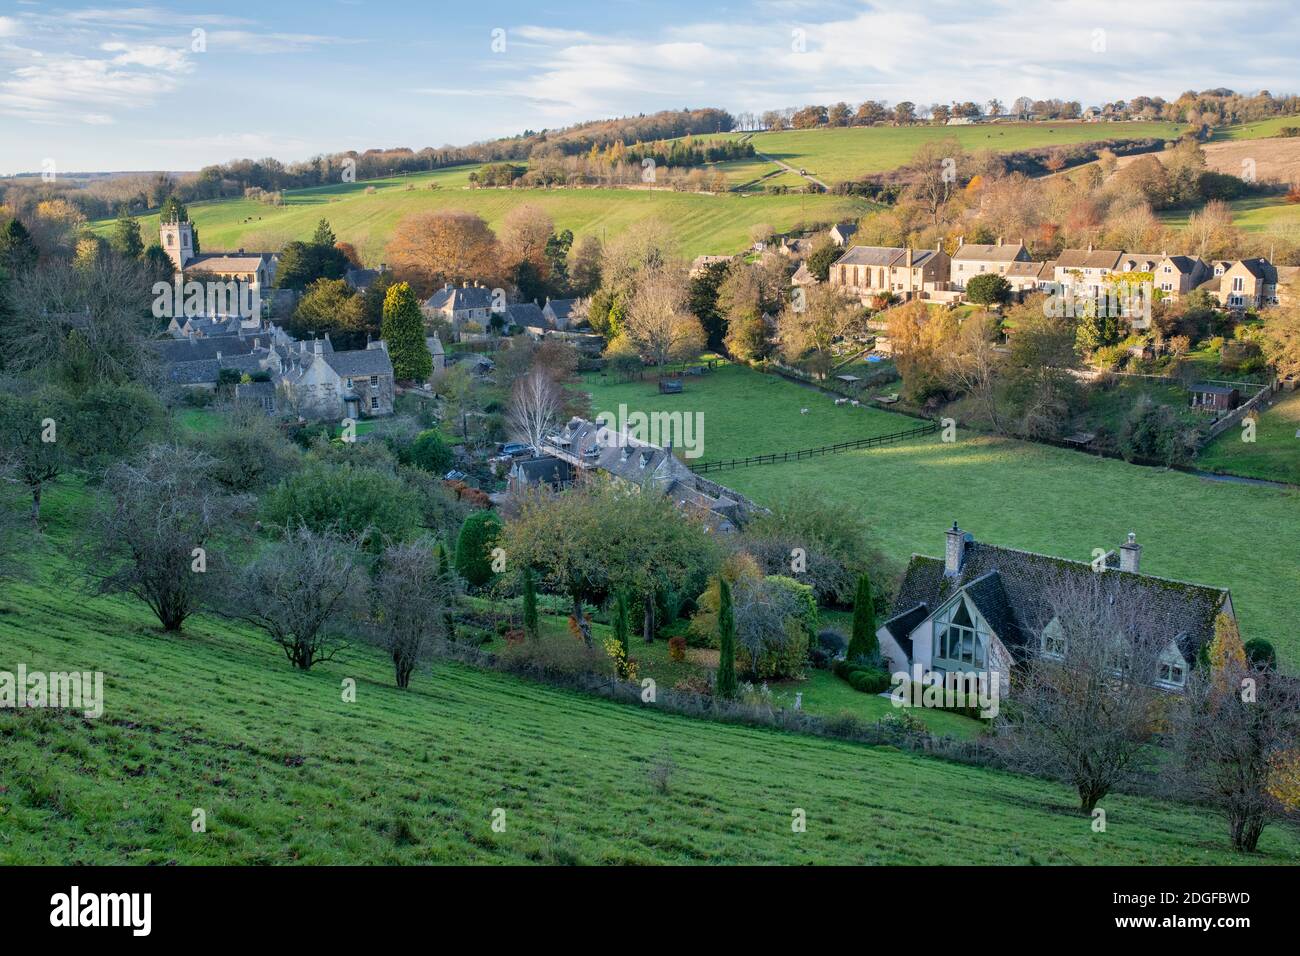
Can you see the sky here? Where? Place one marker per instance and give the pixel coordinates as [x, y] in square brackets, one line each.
[180, 85]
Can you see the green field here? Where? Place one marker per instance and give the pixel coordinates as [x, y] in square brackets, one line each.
[1007, 492]
[286, 772]
[1263, 214]
[1274, 455]
[835, 155]
[702, 224]
[1257, 129]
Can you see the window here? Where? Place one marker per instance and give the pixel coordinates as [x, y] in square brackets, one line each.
[959, 639]
[1238, 284]
[374, 402]
[1054, 642]
[374, 381]
[1171, 673]
[349, 382]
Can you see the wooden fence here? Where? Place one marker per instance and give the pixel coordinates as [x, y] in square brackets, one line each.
[927, 429]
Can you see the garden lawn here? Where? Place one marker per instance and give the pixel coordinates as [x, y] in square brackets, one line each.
[287, 772]
[701, 223]
[747, 413]
[1013, 493]
[1275, 453]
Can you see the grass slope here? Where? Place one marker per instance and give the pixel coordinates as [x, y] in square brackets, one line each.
[702, 224]
[1258, 214]
[1011, 493]
[289, 773]
[1275, 453]
[834, 155]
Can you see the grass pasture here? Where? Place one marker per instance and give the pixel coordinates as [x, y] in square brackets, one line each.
[286, 772]
[836, 155]
[703, 224]
[1008, 492]
[1275, 453]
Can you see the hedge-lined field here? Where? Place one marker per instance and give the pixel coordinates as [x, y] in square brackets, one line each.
[286, 772]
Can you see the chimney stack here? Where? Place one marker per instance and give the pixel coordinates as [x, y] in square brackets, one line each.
[961, 241]
[1130, 554]
[954, 552]
[999, 240]
[909, 257]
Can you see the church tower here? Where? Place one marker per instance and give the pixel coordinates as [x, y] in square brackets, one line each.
[177, 239]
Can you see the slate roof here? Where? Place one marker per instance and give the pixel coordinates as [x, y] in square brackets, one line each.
[526, 314]
[1010, 589]
[172, 351]
[562, 309]
[359, 363]
[227, 262]
[1206, 388]
[1186, 265]
[1088, 259]
[1007, 252]
[459, 298]
[360, 279]
[870, 256]
[1030, 270]
[202, 372]
[549, 471]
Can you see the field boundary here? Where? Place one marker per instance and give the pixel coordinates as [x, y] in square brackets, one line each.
[799, 454]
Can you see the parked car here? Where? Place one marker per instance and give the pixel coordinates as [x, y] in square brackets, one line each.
[516, 449]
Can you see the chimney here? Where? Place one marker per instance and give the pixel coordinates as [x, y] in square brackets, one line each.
[999, 240]
[909, 257]
[961, 241]
[1130, 554]
[954, 552]
[1090, 247]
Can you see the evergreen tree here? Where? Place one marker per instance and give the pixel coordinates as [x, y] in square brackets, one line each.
[403, 331]
[474, 547]
[126, 241]
[621, 626]
[324, 235]
[864, 642]
[530, 604]
[17, 251]
[173, 210]
[725, 685]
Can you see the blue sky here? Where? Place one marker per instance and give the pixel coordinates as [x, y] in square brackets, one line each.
[133, 85]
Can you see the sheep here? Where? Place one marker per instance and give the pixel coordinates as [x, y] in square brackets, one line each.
[803, 411]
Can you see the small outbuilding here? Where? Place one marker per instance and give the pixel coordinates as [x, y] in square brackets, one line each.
[1214, 398]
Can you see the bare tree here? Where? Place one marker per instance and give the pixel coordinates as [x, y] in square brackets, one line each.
[412, 596]
[1084, 710]
[535, 403]
[973, 366]
[1235, 738]
[31, 449]
[155, 539]
[659, 322]
[306, 592]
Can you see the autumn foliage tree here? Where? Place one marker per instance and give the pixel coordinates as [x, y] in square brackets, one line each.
[430, 248]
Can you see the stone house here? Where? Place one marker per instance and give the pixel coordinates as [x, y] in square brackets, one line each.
[463, 304]
[868, 271]
[972, 259]
[983, 608]
[319, 383]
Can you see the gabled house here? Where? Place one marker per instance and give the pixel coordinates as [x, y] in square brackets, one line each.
[842, 233]
[972, 259]
[868, 271]
[461, 304]
[1084, 269]
[1026, 278]
[320, 383]
[359, 280]
[1176, 276]
[1253, 284]
[561, 314]
[984, 609]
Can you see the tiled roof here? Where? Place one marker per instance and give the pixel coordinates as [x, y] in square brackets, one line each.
[525, 314]
[227, 262]
[870, 256]
[1007, 252]
[562, 308]
[1088, 259]
[1010, 588]
[194, 373]
[459, 298]
[360, 362]
[208, 347]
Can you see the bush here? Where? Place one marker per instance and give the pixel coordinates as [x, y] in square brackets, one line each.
[677, 649]
[430, 453]
[832, 643]
[988, 288]
[349, 499]
[869, 680]
[1260, 651]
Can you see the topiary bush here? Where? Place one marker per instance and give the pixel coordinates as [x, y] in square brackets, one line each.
[474, 545]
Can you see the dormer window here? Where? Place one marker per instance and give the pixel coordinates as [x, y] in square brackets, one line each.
[1054, 643]
[1171, 674]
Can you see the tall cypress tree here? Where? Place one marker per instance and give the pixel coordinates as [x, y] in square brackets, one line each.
[403, 331]
[725, 686]
[530, 605]
[864, 642]
[126, 241]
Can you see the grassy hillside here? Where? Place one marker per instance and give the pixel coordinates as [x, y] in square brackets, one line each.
[1275, 453]
[288, 773]
[834, 155]
[1007, 492]
[1268, 127]
[703, 224]
[1260, 214]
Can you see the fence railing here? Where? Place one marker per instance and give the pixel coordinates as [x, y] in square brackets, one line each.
[798, 455]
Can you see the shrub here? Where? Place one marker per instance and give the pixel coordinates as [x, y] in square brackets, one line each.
[869, 680]
[431, 453]
[677, 649]
[474, 546]
[1260, 651]
[832, 643]
[352, 500]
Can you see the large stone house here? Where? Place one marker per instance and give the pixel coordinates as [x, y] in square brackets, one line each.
[196, 362]
[461, 304]
[1084, 270]
[1250, 284]
[321, 384]
[869, 271]
[985, 609]
[972, 259]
